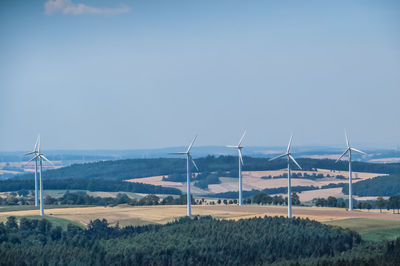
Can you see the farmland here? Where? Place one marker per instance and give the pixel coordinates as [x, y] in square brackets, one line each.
[370, 224]
[255, 180]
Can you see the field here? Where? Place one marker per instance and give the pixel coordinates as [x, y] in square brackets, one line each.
[371, 229]
[253, 180]
[371, 225]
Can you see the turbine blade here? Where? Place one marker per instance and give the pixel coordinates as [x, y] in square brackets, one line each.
[194, 164]
[33, 158]
[241, 139]
[353, 149]
[291, 157]
[277, 157]
[231, 146]
[347, 139]
[38, 146]
[342, 155]
[29, 153]
[177, 153]
[37, 143]
[240, 156]
[191, 144]
[43, 157]
[290, 142]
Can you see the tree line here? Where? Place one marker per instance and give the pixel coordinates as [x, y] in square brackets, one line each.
[93, 184]
[279, 190]
[82, 198]
[262, 198]
[393, 203]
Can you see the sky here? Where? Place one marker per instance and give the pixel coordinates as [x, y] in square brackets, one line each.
[152, 74]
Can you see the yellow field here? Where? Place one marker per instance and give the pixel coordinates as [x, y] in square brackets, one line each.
[128, 215]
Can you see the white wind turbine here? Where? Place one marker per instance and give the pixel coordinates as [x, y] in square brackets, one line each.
[289, 157]
[349, 150]
[188, 160]
[36, 152]
[239, 149]
[39, 156]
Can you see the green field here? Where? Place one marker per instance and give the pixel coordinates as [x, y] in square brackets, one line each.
[369, 229]
[56, 221]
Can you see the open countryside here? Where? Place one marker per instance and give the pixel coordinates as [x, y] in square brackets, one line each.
[364, 222]
[209, 133]
[253, 180]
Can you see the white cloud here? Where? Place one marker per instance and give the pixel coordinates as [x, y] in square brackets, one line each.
[67, 7]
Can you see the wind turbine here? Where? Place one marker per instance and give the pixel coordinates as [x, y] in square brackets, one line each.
[188, 160]
[349, 150]
[35, 152]
[289, 157]
[239, 149]
[39, 156]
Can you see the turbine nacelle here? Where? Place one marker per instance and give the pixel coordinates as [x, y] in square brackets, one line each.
[238, 147]
[349, 149]
[36, 148]
[287, 153]
[187, 153]
[41, 156]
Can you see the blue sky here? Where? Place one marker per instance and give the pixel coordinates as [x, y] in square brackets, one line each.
[149, 74]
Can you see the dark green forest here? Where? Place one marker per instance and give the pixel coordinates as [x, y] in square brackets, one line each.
[93, 184]
[137, 168]
[187, 241]
[190, 241]
[377, 186]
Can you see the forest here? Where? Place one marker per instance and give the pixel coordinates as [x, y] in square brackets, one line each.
[137, 168]
[91, 184]
[377, 186]
[186, 241]
[190, 241]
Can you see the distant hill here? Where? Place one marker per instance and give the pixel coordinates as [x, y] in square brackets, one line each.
[378, 186]
[81, 156]
[13, 163]
[137, 168]
[110, 175]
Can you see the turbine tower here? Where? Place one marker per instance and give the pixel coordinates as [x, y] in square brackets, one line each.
[188, 160]
[36, 152]
[39, 156]
[349, 150]
[289, 157]
[239, 149]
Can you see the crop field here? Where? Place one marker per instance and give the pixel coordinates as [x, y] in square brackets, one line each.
[371, 225]
[252, 180]
[371, 229]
